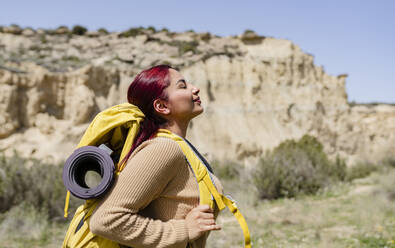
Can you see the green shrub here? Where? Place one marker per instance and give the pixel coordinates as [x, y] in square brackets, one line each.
[339, 169]
[72, 58]
[185, 46]
[60, 30]
[50, 31]
[132, 32]
[226, 170]
[360, 170]
[296, 167]
[29, 223]
[79, 30]
[152, 28]
[249, 31]
[390, 161]
[14, 25]
[43, 39]
[249, 37]
[102, 31]
[34, 183]
[206, 37]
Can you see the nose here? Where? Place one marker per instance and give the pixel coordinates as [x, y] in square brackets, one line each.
[195, 90]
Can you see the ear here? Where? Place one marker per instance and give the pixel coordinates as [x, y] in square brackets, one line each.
[161, 107]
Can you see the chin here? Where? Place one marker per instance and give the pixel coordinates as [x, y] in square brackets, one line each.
[201, 110]
[198, 112]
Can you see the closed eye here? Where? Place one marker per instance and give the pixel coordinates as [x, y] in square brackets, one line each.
[181, 83]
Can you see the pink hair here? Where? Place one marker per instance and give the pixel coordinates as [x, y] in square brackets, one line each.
[148, 86]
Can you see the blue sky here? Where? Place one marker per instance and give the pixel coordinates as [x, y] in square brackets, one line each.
[348, 36]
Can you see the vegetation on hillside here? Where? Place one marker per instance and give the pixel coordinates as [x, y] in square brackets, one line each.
[296, 167]
[296, 197]
[32, 183]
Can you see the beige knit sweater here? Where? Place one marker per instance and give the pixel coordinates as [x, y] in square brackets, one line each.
[148, 203]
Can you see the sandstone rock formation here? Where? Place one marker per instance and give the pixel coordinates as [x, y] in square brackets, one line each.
[256, 91]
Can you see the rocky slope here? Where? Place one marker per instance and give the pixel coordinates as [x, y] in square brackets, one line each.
[257, 92]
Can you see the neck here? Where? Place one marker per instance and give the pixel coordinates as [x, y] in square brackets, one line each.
[179, 128]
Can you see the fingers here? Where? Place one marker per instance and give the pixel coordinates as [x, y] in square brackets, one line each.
[211, 228]
[202, 228]
[200, 220]
[203, 215]
[205, 218]
[207, 221]
[205, 208]
[202, 212]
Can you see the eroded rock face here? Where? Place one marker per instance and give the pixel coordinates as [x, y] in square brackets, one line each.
[32, 98]
[254, 106]
[71, 96]
[256, 94]
[9, 117]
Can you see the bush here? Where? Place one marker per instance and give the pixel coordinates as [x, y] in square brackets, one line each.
[102, 31]
[60, 30]
[23, 221]
[206, 37]
[132, 32]
[185, 46]
[339, 170]
[152, 28]
[296, 167]
[43, 39]
[249, 31]
[249, 37]
[39, 185]
[74, 59]
[226, 170]
[79, 30]
[390, 161]
[360, 170]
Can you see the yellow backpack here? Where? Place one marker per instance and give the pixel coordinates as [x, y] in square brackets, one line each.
[118, 126]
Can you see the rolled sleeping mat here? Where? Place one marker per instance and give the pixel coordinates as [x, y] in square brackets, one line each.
[82, 160]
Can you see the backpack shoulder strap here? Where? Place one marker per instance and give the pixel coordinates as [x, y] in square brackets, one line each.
[207, 191]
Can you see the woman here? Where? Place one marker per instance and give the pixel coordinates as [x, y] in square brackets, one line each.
[155, 200]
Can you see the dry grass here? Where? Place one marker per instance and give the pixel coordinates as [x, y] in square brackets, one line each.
[356, 214]
[360, 213]
[24, 226]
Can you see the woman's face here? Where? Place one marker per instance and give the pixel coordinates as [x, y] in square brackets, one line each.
[183, 102]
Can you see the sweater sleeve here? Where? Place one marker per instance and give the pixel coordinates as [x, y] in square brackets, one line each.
[145, 176]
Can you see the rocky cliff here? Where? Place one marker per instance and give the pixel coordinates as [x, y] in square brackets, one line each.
[257, 91]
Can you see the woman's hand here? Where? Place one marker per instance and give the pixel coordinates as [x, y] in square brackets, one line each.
[200, 220]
